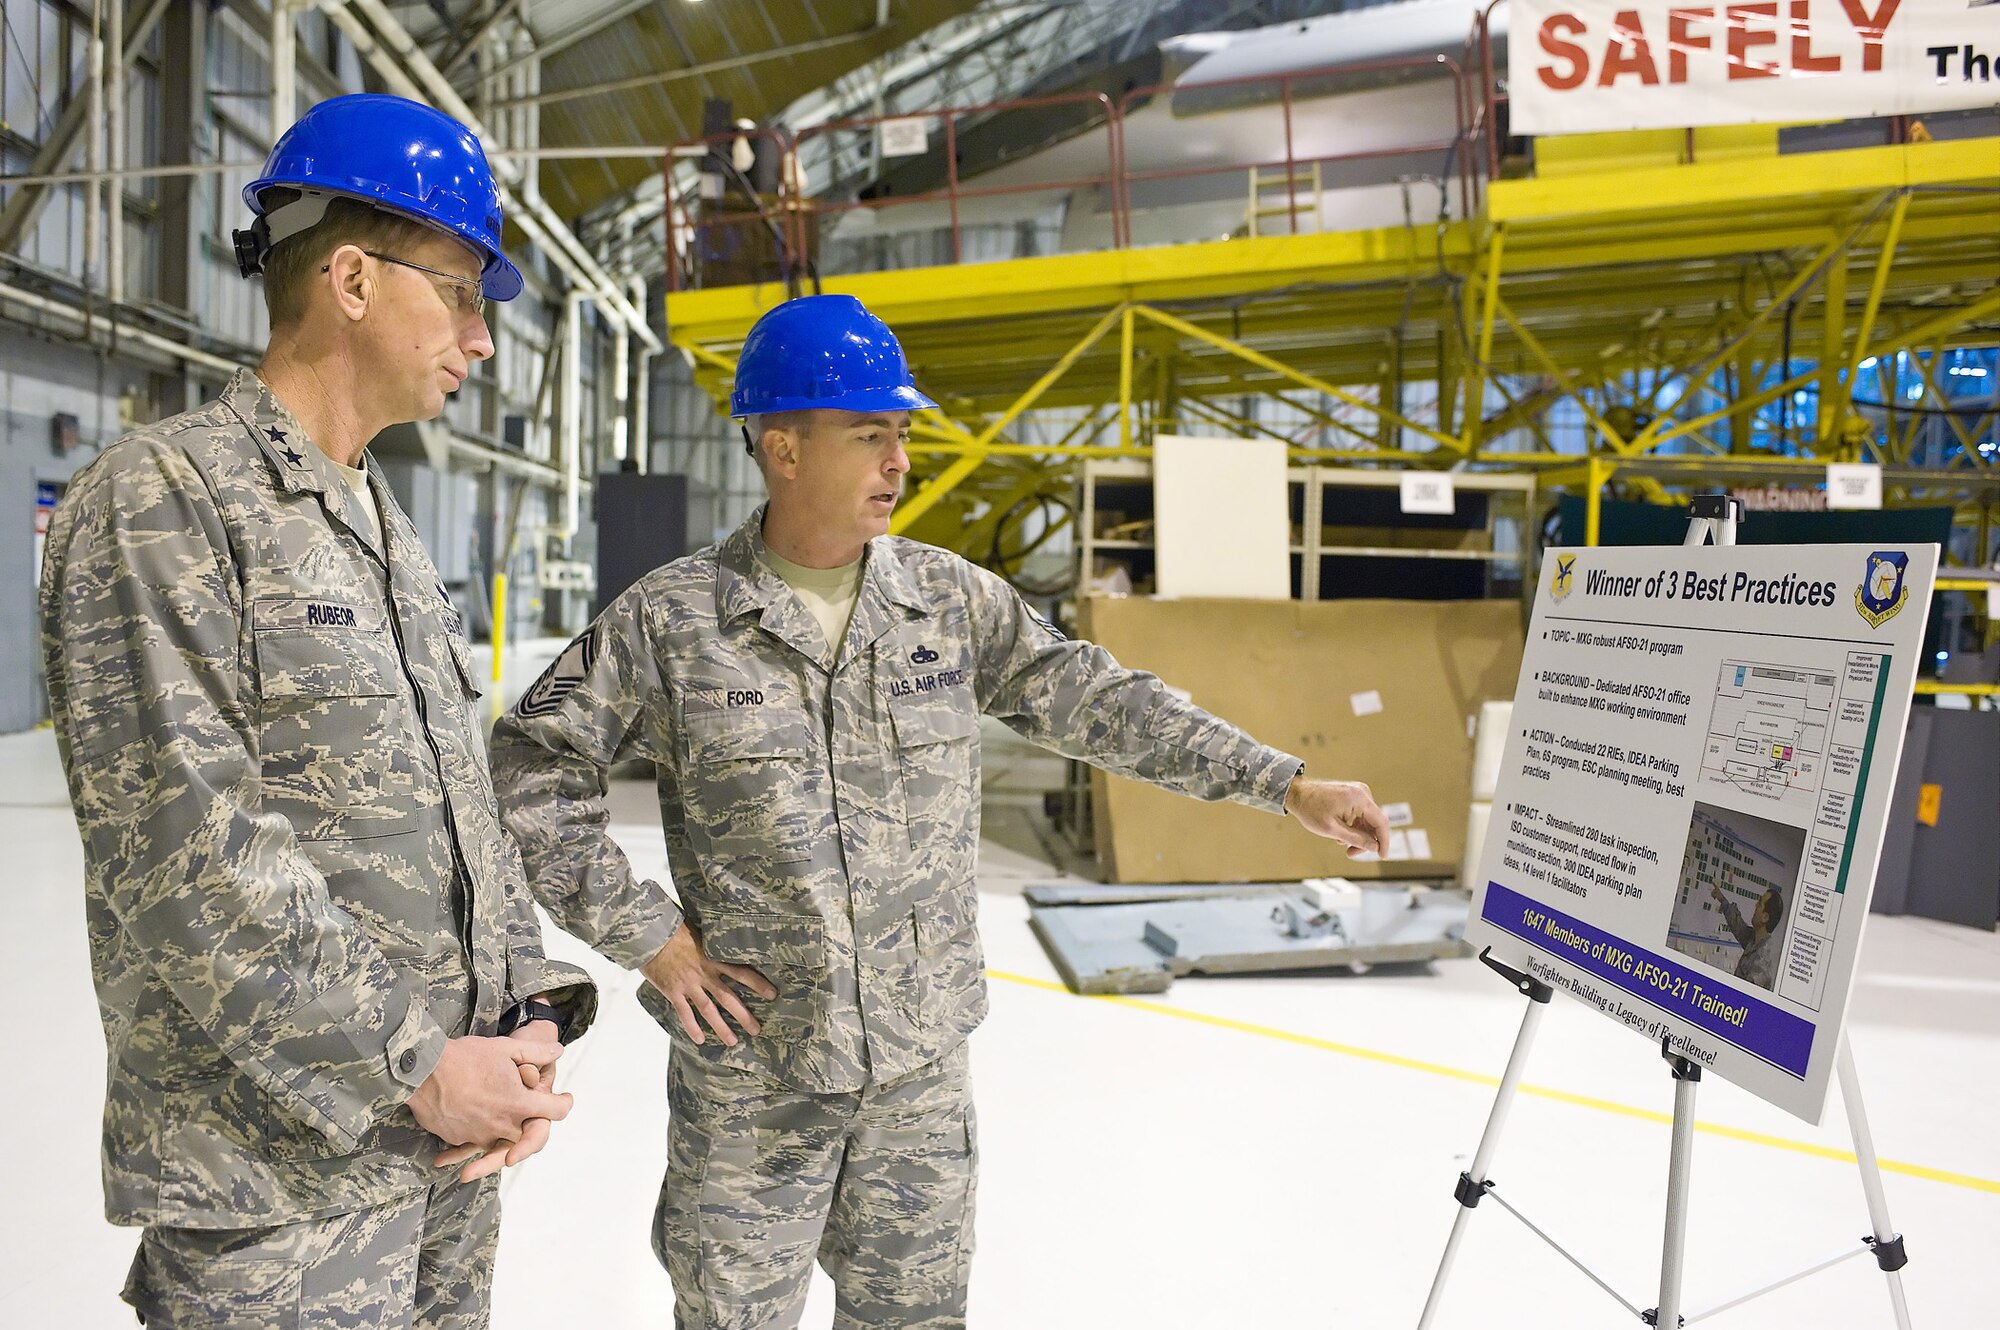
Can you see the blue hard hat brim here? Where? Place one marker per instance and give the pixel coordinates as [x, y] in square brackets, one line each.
[500, 279]
[862, 400]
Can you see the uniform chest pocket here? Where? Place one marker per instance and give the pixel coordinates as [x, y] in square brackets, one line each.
[462, 663]
[339, 758]
[937, 744]
[750, 782]
[463, 707]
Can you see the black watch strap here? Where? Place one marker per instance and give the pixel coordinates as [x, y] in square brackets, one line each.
[530, 1010]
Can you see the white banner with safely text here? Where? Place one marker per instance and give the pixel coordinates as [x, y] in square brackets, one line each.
[1577, 66]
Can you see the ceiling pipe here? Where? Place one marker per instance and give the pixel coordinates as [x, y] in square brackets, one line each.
[470, 46]
[642, 396]
[93, 191]
[477, 453]
[284, 67]
[422, 82]
[621, 375]
[801, 117]
[127, 173]
[480, 454]
[621, 390]
[123, 332]
[655, 151]
[114, 128]
[875, 29]
[562, 41]
[515, 118]
[530, 116]
[26, 205]
[572, 417]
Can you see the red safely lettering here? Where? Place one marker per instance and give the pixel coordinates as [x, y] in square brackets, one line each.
[1871, 27]
[1803, 59]
[1742, 37]
[1680, 40]
[1628, 52]
[1567, 25]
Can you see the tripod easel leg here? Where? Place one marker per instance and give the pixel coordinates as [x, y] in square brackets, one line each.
[1887, 1243]
[1680, 1174]
[1472, 1183]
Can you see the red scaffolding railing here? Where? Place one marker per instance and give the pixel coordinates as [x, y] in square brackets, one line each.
[1485, 130]
[954, 191]
[1455, 147]
[791, 214]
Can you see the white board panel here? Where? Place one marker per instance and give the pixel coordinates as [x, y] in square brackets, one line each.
[1221, 522]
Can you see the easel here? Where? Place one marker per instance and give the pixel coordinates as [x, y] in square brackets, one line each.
[1717, 515]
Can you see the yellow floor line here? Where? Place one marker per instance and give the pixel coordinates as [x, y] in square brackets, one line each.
[1538, 1091]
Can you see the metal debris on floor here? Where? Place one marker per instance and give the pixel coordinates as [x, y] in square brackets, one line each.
[1139, 939]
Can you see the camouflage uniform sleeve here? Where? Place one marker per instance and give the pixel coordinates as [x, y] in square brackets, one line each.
[1732, 919]
[530, 972]
[142, 620]
[1074, 698]
[552, 755]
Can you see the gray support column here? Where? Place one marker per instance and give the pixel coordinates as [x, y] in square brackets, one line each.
[183, 97]
[26, 205]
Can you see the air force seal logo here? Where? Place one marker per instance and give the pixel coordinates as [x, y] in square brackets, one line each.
[1564, 580]
[1882, 592]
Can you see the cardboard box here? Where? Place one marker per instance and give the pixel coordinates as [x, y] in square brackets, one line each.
[1381, 691]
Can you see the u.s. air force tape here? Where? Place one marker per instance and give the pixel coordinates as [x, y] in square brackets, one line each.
[563, 676]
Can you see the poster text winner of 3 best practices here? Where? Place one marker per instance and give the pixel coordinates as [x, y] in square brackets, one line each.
[1686, 584]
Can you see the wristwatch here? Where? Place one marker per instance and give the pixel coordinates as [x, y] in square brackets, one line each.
[529, 1010]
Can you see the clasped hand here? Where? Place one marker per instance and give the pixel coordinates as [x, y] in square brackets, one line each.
[491, 1099]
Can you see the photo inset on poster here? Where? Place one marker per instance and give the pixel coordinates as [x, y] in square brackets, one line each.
[1739, 877]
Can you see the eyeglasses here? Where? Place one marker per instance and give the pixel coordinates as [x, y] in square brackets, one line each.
[468, 294]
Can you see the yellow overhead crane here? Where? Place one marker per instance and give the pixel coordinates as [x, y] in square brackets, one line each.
[1669, 262]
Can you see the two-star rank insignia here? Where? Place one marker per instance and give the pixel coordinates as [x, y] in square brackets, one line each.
[290, 454]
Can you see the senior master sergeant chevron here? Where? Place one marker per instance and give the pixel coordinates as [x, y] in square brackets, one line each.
[306, 923]
[810, 692]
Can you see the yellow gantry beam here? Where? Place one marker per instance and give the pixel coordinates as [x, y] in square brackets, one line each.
[1727, 192]
[1585, 286]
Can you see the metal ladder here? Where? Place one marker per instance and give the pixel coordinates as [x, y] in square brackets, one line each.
[1299, 200]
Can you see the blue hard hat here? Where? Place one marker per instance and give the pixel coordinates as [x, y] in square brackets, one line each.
[822, 352]
[393, 153]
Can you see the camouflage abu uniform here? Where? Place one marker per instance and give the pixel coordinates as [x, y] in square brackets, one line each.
[822, 822]
[298, 887]
[1759, 962]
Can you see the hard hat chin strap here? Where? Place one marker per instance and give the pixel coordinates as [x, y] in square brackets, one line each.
[302, 214]
[253, 245]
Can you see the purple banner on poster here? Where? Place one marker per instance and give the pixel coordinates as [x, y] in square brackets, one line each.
[1673, 986]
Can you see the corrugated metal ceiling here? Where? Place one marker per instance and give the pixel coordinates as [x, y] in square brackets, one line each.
[650, 49]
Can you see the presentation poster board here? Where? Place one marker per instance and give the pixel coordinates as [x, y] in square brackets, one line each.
[1694, 792]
